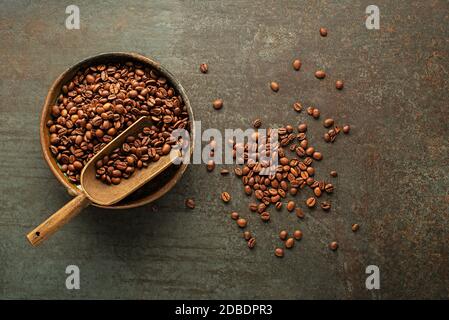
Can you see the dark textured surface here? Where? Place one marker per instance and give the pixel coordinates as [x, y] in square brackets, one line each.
[393, 168]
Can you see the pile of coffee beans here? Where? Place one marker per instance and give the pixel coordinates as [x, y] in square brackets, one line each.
[103, 100]
[136, 153]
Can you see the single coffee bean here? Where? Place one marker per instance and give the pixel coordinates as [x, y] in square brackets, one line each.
[278, 205]
[248, 190]
[204, 68]
[234, 215]
[328, 122]
[333, 173]
[251, 243]
[291, 206]
[297, 234]
[346, 128]
[311, 202]
[299, 213]
[247, 235]
[317, 155]
[226, 197]
[289, 243]
[210, 165]
[218, 104]
[283, 235]
[317, 192]
[339, 84]
[224, 172]
[265, 216]
[253, 207]
[329, 188]
[297, 107]
[320, 74]
[279, 252]
[190, 203]
[325, 205]
[302, 128]
[238, 172]
[296, 64]
[355, 227]
[241, 223]
[310, 110]
[274, 86]
[257, 123]
[316, 113]
[333, 245]
[323, 32]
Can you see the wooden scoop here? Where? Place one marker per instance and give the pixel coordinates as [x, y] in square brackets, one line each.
[95, 191]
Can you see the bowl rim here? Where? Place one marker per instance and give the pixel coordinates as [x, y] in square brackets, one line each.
[55, 90]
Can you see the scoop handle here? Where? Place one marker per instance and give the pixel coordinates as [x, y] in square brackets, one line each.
[58, 219]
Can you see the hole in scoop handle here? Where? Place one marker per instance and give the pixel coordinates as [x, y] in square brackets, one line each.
[58, 219]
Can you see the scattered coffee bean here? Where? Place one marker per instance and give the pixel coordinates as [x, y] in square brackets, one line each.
[311, 202]
[247, 235]
[253, 207]
[279, 252]
[333, 173]
[299, 213]
[296, 64]
[325, 205]
[251, 243]
[329, 188]
[320, 74]
[297, 107]
[234, 215]
[218, 104]
[328, 123]
[210, 165]
[224, 172]
[317, 155]
[355, 227]
[339, 84]
[302, 127]
[274, 86]
[333, 245]
[283, 235]
[297, 234]
[289, 243]
[291, 206]
[226, 197]
[257, 123]
[241, 223]
[346, 128]
[310, 110]
[316, 113]
[204, 68]
[278, 205]
[323, 32]
[190, 203]
[265, 216]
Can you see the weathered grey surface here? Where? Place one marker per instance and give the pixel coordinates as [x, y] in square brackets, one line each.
[393, 169]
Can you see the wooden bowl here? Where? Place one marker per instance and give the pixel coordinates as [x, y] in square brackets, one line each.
[149, 192]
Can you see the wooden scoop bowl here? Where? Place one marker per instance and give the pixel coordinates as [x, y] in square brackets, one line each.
[95, 191]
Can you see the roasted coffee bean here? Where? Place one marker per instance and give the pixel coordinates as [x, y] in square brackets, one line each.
[265, 216]
[316, 113]
[289, 243]
[317, 155]
[323, 32]
[226, 197]
[210, 165]
[297, 107]
[217, 104]
[234, 215]
[325, 205]
[279, 252]
[299, 213]
[320, 74]
[296, 64]
[253, 207]
[310, 110]
[311, 202]
[204, 68]
[257, 123]
[328, 122]
[355, 227]
[224, 172]
[241, 222]
[297, 234]
[333, 245]
[274, 86]
[247, 235]
[333, 173]
[339, 84]
[346, 129]
[317, 192]
[302, 128]
[278, 205]
[291, 206]
[190, 203]
[238, 172]
[283, 235]
[329, 188]
[248, 190]
[251, 243]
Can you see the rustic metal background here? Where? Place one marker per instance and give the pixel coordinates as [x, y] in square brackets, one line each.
[393, 168]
